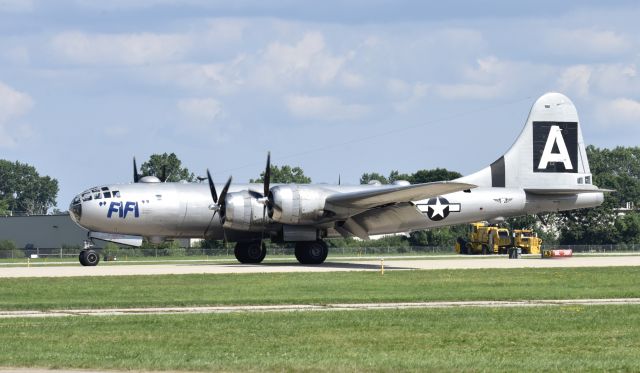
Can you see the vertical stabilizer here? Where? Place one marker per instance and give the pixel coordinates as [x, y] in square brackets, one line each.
[549, 154]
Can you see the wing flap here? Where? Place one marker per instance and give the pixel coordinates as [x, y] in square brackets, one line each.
[367, 199]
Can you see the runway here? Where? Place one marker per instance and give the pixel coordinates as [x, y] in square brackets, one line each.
[332, 265]
[315, 307]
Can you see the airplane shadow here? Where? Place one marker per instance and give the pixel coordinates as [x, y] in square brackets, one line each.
[336, 265]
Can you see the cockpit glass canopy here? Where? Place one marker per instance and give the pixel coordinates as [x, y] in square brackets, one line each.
[95, 193]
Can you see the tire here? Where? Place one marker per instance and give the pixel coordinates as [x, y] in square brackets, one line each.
[250, 252]
[311, 252]
[89, 258]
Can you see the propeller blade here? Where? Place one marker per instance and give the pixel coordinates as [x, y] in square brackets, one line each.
[212, 187]
[267, 175]
[223, 195]
[136, 176]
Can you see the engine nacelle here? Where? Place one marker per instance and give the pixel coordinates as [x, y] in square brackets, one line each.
[242, 211]
[297, 204]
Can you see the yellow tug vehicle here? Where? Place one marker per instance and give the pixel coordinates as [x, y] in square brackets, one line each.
[487, 239]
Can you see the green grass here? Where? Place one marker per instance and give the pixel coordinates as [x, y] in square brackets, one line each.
[593, 338]
[319, 288]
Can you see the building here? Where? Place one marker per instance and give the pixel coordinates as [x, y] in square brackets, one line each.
[42, 231]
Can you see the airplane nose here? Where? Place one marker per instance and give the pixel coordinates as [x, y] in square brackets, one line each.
[75, 211]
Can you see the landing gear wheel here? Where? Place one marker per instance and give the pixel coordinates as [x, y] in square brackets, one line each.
[89, 258]
[250, 252]
[311, 252]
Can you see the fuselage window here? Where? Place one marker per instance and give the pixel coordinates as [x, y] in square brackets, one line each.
[86, 197]
[105, 188]
[107, 194]
[116, 194]
[97, 196]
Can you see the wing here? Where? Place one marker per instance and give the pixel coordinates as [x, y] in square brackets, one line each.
[385, 210]
[366, 199]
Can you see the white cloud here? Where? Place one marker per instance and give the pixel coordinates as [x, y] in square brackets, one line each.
[306, 60]
[323, 108]
[576, 79]
[223, 78]
[469, 91]
[406, 95]
[18, 55]
[608, 80]
[586, 42]
[201, 110]
[13, 105]
[16, 5]
[620, 112]
[119, 49]
[617, 80]
[352, 80]
[225, 30]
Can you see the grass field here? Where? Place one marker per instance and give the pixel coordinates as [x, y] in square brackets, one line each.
[319, 288]
[513, 339]
[565, 338]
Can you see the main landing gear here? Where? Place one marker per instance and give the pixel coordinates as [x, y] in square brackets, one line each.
[307, 252]
[252, 252]
[89, 258]
[311, 252]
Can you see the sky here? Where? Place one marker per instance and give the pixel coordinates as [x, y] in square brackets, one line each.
[335, 87]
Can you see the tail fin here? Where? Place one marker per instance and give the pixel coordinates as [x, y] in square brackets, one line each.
[549, 155]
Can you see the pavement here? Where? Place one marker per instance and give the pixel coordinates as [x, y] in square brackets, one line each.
[331, 265]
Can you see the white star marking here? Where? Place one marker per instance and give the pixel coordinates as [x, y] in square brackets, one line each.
[438, 208]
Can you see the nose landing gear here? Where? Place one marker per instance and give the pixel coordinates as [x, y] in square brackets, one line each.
[89, 257]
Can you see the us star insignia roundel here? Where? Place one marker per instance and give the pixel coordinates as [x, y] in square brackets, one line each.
[438, 208]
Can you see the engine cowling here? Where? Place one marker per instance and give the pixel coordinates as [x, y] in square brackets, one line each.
[296, 204]
[243, 211]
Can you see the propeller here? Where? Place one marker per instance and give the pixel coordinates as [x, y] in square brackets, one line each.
[265, 198]
[218, 205]
[136, 175]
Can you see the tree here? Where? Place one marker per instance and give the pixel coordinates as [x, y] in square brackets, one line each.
[174, 170]
[366, 178]
[284, 175]
[23, 189]
[436, 174]
[445, 236]
[420, 176]
[617, 169]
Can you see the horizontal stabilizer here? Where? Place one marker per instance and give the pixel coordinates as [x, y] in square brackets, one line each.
[381, 196]
[120, 239]
[565, 191]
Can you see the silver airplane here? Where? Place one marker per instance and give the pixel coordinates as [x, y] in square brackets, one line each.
[545, 170]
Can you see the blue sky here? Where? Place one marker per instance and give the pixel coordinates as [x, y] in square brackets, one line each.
[336, 87]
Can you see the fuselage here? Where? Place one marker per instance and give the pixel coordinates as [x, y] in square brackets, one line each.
[184, 210]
